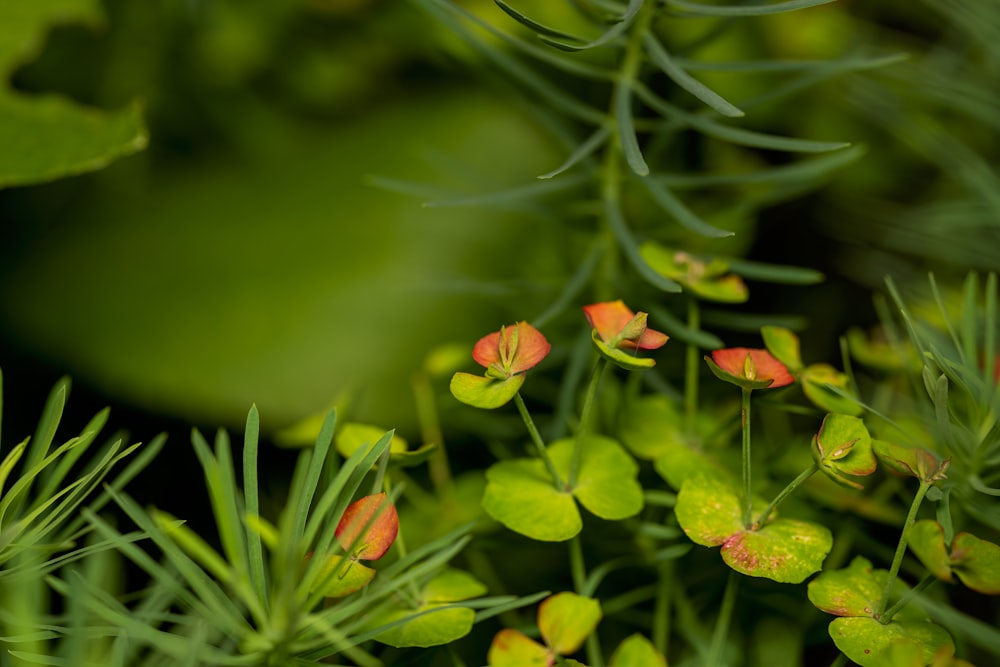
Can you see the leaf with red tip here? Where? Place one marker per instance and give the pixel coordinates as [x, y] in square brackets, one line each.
[749, 368]
[511, 350]
[369, 527]
[619, 327]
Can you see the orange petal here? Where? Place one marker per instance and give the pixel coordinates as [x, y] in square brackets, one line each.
[486, 351]
[370, 525]
[608, 317]
[736, 361]
[531, 348]
[524, 345]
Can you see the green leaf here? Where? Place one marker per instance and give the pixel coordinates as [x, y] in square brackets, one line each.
[480, 391]
[624, 358]
[912, 461]
[512, 648]
[851, 591]
[783, 344]
[783, 550]
[699, 9]
[338, 578]
[815, 380]
[676, 72]
[433, 624]
[45, 137]
[977, 563]
[709, 280]
[520, 495]
[607, 484]
[925, 539]
[870, 643]
[637, 651]
[842, 447]
[566, 620]
[709, 510]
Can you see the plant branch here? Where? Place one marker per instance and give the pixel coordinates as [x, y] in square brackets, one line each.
[536, 437]
[897, 559]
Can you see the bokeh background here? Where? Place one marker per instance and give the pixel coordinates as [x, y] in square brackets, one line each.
[271, 244]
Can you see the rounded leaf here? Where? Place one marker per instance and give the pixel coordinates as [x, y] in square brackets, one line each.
[520, 495]
[430, 624]
[338, 578]
[566, 620]
[607, 483]
[925, 539]
[484, 392]
[784, 345]
[352, 436]
[843, 447]
[511, 648]
[709, 510]
[783, 550]
[851, 591]
[977, 563]
[815, 379]
[870, 643]
[637, 651]
[368, 527]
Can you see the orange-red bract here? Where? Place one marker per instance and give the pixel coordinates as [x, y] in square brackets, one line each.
[511, 350]
[370, 524]
[752, 364]
[612, 318]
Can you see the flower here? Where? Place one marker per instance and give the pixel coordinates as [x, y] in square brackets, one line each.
[511, 350]
[749, 368]
[506, 355]
[619, 327]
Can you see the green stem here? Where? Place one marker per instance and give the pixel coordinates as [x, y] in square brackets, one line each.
[430, 431]
[745, 424]
[794, 484]
[576, 565]
[539, 443]
[910, 595]
[840, 661]
[897, 559]
[661, 608]
[585, 418]
[723, 620]
[692, 365]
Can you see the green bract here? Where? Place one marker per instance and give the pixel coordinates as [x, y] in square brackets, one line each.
[520, 493]
[853, 594]
[843, 449]
[785, 550]
[482, 391]
[975, 561]
[709, 280]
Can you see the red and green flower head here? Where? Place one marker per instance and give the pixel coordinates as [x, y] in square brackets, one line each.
[618, 331]
[506, 355]
[749, 368]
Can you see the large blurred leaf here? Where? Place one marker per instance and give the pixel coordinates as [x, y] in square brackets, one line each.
[46, 137]
[289, 280]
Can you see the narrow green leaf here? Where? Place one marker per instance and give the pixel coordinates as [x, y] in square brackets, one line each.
[612, 33]
[664, 61]
[255, 549]
[38, 445]
[581, 152]
[534, 25]
[698, 9]
[774, 273]
[626, 129]
[675, 207]
[52, 476]
[616, 221]
[682, 332]
[513, 197]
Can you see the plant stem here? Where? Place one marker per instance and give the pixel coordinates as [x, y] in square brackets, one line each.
[578, 569]
[539, 443]
[585, 418]
[897, 559]
[723, 620]
[692, 366]
[661, 608]
[905, 600]
[745, 424]
[430, 428]
[840, 661]
[803, 476]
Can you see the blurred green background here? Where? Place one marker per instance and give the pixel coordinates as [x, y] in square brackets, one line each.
[247, 256]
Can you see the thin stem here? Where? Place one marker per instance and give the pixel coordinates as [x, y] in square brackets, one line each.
[794, 484]
[692, 365]
[578, 569]
[661, 608]
[723, 620]
[585, 418]
[430, 431]
[745, 424]
[839, 661]
[897, 559]
[539, 443]
[924, 584]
